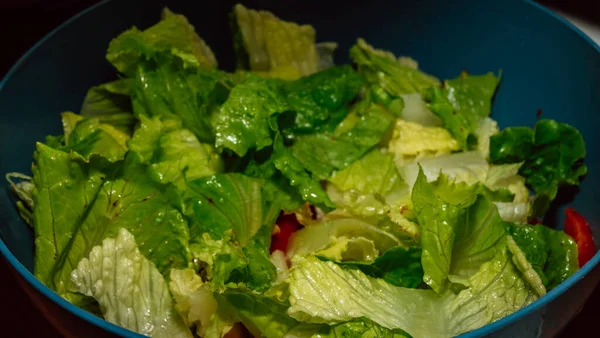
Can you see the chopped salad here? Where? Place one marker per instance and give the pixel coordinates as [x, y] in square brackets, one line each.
[296, 197]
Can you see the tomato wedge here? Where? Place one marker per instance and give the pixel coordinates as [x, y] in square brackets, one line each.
[285, 226]
[578, 228]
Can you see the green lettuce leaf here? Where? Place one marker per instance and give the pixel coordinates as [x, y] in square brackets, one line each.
[366, 178]
[195, 302]
[469, 167]
[552, 155]
[231, 208]
[22, 186]
[175, 153]
[321, 153]
[398, 266]
[313, 238]
[129, 288]
[164, 87]
[89, 136]
[462, 103]
[360, 328]
[319, 101]
[244, 120]
[275, 48]
[460, 230]
[78, 203]
[552, 253]
[323, 292]
[173, 34]
[411, 142]
[308, 187]
[264, 316]
[111, 103]
[388, 77]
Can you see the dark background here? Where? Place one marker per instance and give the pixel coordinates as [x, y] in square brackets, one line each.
[24, 22]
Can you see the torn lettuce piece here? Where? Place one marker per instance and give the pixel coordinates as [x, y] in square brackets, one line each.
[173, 34]
[552, 253]
[89, 136]
[462, 103]
[506, 176]
[413, 142]
[271, 47]
[79, 203]
[321, 153]
[552, 155]
[374, 173]
[313, 238]
[513, 212]
[398, 266]
[232, 208]
[320, 101]
[111, 103]
[22, 186]
[165, 88]
[461, 230]
[244, 120]
[486, 128]
[524, 266]
[416, 110]
[324, 292]
[308, 187]
[174, 152]
[195, 302]
[342, 249]
[359, 328]
[388, 77]
[224, 202]
[131, 291]
[264, 316]
[468, 167]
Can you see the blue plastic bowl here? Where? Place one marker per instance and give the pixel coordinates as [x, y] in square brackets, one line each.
[547, 65]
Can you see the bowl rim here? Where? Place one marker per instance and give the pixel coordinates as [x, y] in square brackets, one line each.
[123, 332]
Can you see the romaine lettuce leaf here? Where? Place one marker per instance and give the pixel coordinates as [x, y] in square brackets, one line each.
[360, 328]
[173, 34]
[460, 230]
[175, 153]
[195, 302]
[232, 208]
[78, 203]
[462, 103]
[398, 266]
[244, 121]
[389, 78]
[88, 136]
[308, 187]
[111, 103]
[412, 141]
[313, 238]
[321, 153]
[416, 110]
[129, 288]
[323, 292]
[366, 178]
[552, 155]
[22, 186]
[164, 87]
[272, 47]
[264, 316]
[552, 253]
[486, 128]
[319, 101]
[469, 167]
